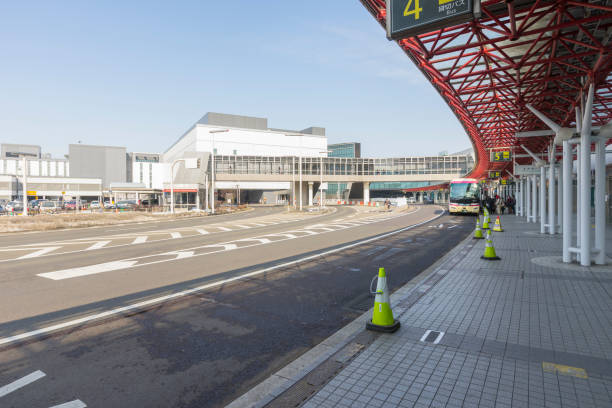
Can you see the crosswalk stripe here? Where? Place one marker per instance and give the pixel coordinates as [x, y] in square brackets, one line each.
[38, 253]
[224, 228]
[202, 231]
[175, 235]
[98, 245]
[243, 226]
[140, 240]
[22, 382]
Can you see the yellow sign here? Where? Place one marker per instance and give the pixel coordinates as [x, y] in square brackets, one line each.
[31, 193]
[501, 155]
[504, 182]
[417, 10]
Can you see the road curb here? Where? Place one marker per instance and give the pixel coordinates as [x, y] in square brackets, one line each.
[279, 382]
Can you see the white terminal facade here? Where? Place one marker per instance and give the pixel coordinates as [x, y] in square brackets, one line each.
[111, 173]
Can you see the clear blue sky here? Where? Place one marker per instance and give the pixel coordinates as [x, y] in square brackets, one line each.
[139, 73]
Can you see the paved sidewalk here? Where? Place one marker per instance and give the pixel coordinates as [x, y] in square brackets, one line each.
[525, 331]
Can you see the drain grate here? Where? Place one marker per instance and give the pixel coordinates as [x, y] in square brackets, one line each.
[432, 336]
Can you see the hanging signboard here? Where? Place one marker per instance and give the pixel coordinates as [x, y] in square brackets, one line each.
[494, 174]
[526, 170]
[501, 156]
[407, 18]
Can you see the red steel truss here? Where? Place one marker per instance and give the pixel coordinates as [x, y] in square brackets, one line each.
[540, 52]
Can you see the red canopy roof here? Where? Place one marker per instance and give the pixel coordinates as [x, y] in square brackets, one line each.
[543, 53]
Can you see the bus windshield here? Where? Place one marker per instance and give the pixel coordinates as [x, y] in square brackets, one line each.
[464, 193]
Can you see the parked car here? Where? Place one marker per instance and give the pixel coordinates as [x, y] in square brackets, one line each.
[50, 207]
[14, 206]
[411, 200]
[94, 205]
[35, 204]
[127, 204]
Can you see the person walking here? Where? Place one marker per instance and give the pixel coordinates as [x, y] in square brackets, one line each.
[499, 205]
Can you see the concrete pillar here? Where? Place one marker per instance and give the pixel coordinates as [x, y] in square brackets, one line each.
[600, 204]
[585, 182]
[578, 204]
[543, 217]
[534, 199]
[552, 193]
[560, 197]
[567, 200]
[310, 183]
[421, 197]
[366, 192]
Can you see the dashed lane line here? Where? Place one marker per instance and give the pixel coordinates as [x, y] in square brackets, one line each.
[175, 235]
[169, 256]
[140, 240]
[72, 404]
[187, 292]
[38, 253]
[20, 383]
[98, 245]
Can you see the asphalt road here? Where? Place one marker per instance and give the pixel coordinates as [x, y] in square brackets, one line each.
[207, 347]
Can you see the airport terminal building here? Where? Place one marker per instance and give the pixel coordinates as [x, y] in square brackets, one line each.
[238, 145]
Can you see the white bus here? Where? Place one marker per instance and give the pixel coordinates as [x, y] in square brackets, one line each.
[464, 196]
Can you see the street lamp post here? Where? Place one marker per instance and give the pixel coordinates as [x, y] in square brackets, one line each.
[25, 188]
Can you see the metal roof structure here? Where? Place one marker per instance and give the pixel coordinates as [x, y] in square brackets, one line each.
[540, 52]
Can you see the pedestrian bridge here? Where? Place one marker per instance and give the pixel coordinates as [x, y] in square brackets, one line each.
[339, 169]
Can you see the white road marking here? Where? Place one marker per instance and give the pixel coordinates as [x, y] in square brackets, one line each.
[306, 231]
[452, 226]
[257, 224]
[87, 270]
[173, 255]
[186, 292]
[175, 235]
[39, 252]
[242, 226]
[184, 254]
[22, 382]
[140, 240]
[260, 240]
[289, 236]
[71, 404]
[224, 228]
[226, 247]
[98, 245]
[202, 231]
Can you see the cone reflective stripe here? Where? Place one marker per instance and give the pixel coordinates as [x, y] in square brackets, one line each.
[478, 231]
[489, 252]
[497, 227]
[485, 222]
[382, 317]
